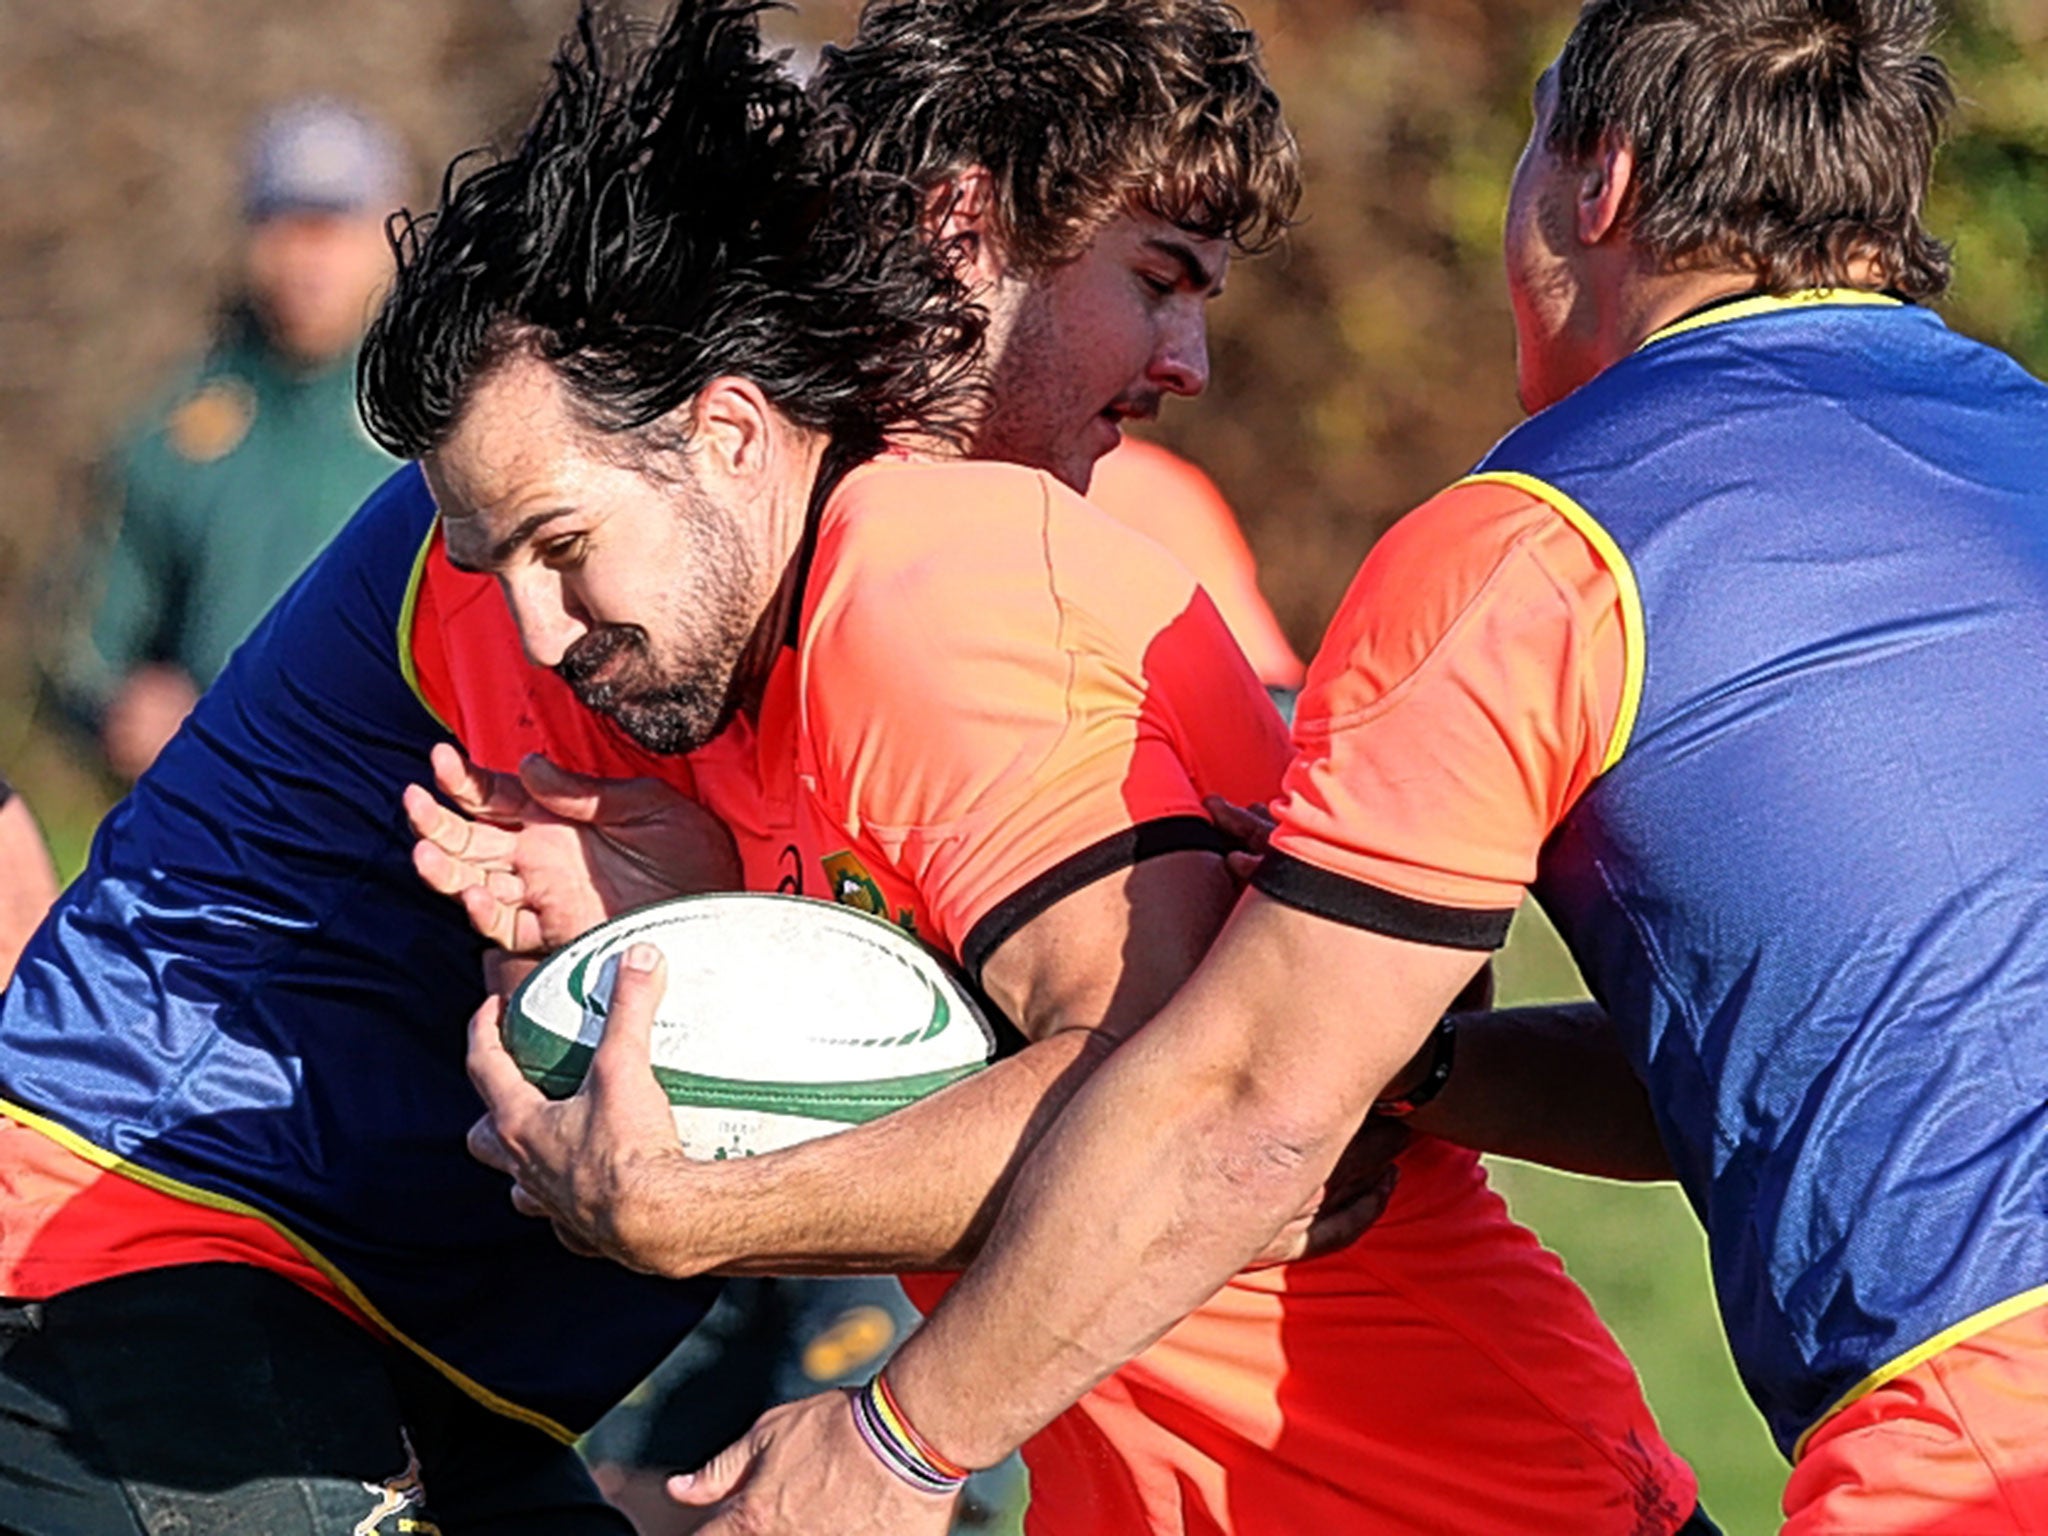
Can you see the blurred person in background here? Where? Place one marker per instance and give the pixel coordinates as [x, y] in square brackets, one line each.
[237, 475]
[28, 881]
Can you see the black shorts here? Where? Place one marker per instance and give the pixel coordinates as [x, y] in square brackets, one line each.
[222, 1400]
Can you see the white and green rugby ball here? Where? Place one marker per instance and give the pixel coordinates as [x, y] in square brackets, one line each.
[785, 1018]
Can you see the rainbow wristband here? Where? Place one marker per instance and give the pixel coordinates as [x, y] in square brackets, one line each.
[899, 1447]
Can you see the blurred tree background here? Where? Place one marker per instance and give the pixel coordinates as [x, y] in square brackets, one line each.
[1356, 371]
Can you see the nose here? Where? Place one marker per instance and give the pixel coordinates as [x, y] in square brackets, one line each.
[1180, 363]
[549, 624]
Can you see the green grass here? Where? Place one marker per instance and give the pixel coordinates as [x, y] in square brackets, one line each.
[1642, 1258]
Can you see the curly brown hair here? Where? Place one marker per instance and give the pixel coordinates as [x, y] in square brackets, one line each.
[1794, 138]
[1078, 110]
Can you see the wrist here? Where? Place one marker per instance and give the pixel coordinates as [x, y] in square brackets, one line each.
[682, 1221]
[951, 1418]
[895, 1442]
[1424, 1077]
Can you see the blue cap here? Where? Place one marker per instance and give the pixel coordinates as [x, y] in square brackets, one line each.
[318, 155]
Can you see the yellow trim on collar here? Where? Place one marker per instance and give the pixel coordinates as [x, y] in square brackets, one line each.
[1767, 303]
[1920, 1354]
[99, 1157]
[1632, 630]
[407, 612]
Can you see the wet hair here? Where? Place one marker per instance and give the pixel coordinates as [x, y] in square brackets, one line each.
[1794, 138]
[1078, 109]
[675, 212]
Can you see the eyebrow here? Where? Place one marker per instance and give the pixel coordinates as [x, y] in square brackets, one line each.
[508, 546]
[1192, 266]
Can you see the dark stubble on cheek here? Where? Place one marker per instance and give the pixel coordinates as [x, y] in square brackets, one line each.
[675, 705]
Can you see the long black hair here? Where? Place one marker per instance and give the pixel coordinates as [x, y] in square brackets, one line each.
[675, 212]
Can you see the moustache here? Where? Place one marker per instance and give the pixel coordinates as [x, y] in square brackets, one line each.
[594, 652]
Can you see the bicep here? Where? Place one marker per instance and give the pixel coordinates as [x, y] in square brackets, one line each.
[1109, 955]
[1303, 1020]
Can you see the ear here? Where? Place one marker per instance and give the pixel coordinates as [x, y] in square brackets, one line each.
[959, 216]
[1605, 182]
[733, 426]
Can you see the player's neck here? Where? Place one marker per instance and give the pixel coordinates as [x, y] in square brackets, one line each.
[791, 520]
[1656, 300]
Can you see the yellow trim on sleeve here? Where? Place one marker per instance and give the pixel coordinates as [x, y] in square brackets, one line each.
[406, 614]
[1632, 632]
[1920, 1354]
[1766, 303]
[113, 1163]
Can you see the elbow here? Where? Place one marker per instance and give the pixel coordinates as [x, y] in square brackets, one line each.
[1275, 1144]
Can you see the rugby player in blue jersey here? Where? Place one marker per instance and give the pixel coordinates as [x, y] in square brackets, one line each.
[1729, 654]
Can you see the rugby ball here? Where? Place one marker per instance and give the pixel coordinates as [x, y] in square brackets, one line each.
[785, 1018]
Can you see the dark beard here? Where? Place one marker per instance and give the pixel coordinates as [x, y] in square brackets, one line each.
[669, 719]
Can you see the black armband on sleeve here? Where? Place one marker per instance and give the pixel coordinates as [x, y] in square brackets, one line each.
[1358, 905]
[1133, 845]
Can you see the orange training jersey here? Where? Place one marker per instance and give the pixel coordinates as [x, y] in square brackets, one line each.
[1482, 645]
[1169, 500]
[997, 694]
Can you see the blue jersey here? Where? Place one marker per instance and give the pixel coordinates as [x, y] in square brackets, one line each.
[1813, 890]
[250, 999]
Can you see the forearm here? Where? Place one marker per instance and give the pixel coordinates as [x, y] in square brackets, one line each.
[1167, 1181]
[1175, 1164]
[915, 1190]
[1548, 1085]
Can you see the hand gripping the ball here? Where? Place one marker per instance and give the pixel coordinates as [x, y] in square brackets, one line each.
[541, 856]
[602, 1165]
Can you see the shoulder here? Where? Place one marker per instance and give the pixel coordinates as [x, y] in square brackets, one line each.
[977, 551]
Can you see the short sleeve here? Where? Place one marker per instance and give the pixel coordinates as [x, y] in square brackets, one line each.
[1019, 696]
[1466, 696]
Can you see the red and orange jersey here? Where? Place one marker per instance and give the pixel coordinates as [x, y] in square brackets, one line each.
[992, 680]
[1173, 503]
[997, 693]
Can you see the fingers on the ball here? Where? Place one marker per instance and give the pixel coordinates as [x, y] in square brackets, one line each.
[629, 1021]
[491, 1068]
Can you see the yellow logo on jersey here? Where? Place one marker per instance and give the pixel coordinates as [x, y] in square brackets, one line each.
[213, 422]
[852, 886]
